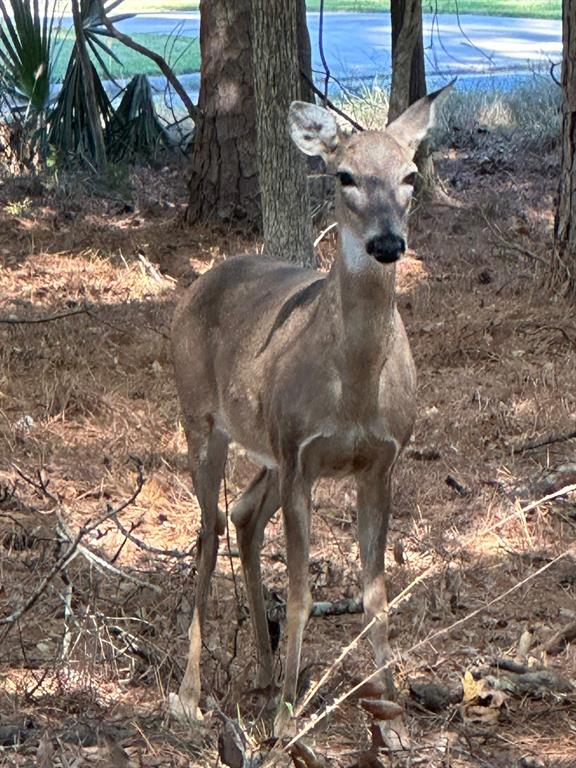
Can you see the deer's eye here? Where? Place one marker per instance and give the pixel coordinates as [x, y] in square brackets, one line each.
[346, 179]
[410, 179]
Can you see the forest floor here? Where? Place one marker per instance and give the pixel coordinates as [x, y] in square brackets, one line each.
[86, 399]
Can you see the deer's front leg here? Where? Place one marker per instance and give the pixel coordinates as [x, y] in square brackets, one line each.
[373, 516]
[296, 503]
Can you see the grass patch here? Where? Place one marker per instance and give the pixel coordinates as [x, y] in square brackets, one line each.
[541, 9]
[182, 53]
[526, 117]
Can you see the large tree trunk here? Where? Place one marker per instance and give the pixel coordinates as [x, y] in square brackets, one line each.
[224, 180]
[283, 183]
[409, 76]
[224, 175]
[565, 224]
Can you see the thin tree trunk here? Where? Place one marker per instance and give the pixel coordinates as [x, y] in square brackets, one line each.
[224, 178]
[283, 183]
[409, 76]
[565, 222]
[304, 53]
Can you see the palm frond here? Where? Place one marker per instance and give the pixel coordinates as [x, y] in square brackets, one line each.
[71, 123]
[135, 129]
[26, 40]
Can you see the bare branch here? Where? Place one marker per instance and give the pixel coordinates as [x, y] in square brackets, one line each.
[61, 563]
[148, 547]
[330, 104]
[553, 65]
[101, 563]
[191, 108]
[560, 639]
[75, 546]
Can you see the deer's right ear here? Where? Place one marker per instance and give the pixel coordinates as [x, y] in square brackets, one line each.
[313, 130]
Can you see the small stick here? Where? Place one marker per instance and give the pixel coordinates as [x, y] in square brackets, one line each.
[149, 547]
[406, 593]
[560, 639]
[48, 319]
[314, 720]
[61, 563]
[532, 445]
[104, 565]
[73, 550]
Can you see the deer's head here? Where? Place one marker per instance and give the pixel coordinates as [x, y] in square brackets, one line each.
[375, 174]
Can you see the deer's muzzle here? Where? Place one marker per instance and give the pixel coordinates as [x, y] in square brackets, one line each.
[386, 248]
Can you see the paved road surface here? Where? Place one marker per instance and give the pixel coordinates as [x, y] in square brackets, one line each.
[358, 44]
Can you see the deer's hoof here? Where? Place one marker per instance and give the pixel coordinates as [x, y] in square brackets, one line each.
[284, 722]
[391, 734]
[184, 710]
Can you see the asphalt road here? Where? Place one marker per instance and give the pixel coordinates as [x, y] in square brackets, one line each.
[357, 45]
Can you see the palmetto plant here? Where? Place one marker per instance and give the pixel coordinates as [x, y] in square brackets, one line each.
[80, 123]
[26, 55]
[134, 128]
[83, 110]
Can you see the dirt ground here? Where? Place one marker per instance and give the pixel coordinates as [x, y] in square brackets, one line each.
[91, 646]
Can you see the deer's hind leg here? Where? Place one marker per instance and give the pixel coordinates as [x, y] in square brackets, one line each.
[250, 515]
[207, 451]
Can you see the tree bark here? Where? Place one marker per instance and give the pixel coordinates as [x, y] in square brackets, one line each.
[408, 72]
[565, 221]
[224, 178]
[284, 188]
[304, 53]
[409, 76]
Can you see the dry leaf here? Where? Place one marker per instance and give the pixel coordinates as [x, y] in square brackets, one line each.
[470, 687]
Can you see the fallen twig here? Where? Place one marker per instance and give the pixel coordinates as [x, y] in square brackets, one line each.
[532, 445]
[61, 563]
[83, 310]
[532, 683]
[495, 230]
[177, 553]
[456, 485]
[314, 720]
[101, 563]
[560, 639]
[75, 547]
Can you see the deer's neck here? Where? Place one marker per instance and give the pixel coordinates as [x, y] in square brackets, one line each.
[362, 316]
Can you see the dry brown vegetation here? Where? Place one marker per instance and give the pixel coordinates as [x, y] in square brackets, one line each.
[84, 673]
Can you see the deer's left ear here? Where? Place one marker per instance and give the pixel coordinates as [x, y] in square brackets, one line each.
[313, 130]
[412, 126]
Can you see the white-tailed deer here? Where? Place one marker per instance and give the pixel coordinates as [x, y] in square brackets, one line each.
[313, 375]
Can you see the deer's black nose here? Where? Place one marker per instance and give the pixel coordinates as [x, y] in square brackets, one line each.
[386, 248]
